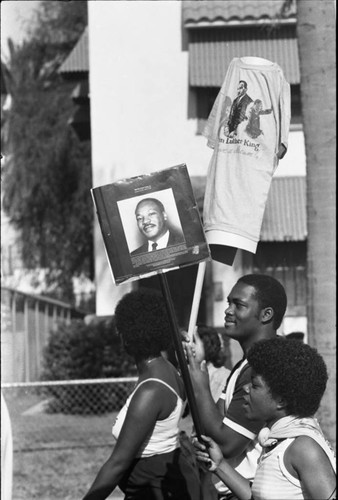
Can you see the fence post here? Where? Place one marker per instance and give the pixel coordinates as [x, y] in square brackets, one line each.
[14, 332]
[37, 336]
[54, 317]
[46, 321]
[26, 340]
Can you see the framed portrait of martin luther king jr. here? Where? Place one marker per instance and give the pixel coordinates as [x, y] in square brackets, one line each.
[150, 223]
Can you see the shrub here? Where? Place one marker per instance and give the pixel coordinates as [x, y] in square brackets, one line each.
[79, 351]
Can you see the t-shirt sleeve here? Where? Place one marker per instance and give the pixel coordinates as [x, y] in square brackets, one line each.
[235, 417]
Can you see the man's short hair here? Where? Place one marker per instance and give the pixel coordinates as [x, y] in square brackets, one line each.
[269, 293]
[152, 200]
[244, 83]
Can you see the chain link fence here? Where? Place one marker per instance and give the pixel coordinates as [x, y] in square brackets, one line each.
[74, 413]
[62, 434]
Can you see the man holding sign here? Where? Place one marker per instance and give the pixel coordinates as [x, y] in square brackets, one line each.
[257, 304]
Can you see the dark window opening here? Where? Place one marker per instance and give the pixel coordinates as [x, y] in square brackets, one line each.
[285, 261]
[296, 105]
[181, 283]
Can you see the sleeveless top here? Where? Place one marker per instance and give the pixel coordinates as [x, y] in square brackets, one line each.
[165, 435]
[273, 481]
[245, 463]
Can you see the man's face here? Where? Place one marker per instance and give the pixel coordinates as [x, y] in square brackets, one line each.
[151, 220]
[242, 316]
[241, 89]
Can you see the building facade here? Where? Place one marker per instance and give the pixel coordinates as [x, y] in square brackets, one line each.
[154, 70]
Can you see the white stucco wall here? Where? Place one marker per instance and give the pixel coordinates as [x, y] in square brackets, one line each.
[139, 104]
[139, 110]
[294, 162]
[138, 88]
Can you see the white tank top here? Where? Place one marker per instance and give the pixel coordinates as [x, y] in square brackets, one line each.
[273, 481]
[165, 435]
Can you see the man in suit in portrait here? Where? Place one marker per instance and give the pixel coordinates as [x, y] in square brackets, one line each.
[238, 108]
[152, 221]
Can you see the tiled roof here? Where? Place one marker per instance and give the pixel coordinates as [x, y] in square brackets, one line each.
[214, 13]
[78, 60]
[218, 12]
[212, 49]
[285, 213]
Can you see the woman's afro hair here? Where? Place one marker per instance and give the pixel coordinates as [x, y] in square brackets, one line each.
[141, 320]
[292, 370]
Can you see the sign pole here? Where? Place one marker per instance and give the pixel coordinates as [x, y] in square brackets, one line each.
[180, 355]
[196, 299]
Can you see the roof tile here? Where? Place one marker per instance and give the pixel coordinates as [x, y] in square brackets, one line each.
[212, 49]
[229, 10]
[78, 59]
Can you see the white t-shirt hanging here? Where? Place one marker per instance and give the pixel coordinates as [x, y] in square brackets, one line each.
[247, 126]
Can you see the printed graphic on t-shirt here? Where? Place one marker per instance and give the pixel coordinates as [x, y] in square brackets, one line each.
[241, 122]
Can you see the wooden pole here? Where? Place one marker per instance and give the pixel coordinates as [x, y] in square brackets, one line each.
[180, 355]
[196, 299]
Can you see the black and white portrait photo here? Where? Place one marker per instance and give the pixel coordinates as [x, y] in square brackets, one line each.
[150, 223]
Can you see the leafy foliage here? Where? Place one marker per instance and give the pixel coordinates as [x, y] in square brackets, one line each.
[81, 351]
[77, 352]
[47, 180]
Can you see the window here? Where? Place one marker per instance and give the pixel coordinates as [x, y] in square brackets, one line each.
[285, 261]
[296, 106]
[205, 98]
[211, 49]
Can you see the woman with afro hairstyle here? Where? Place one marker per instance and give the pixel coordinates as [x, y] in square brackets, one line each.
[288, 382]
[147, 462]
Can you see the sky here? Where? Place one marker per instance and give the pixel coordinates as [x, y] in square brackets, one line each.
[14, 13]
